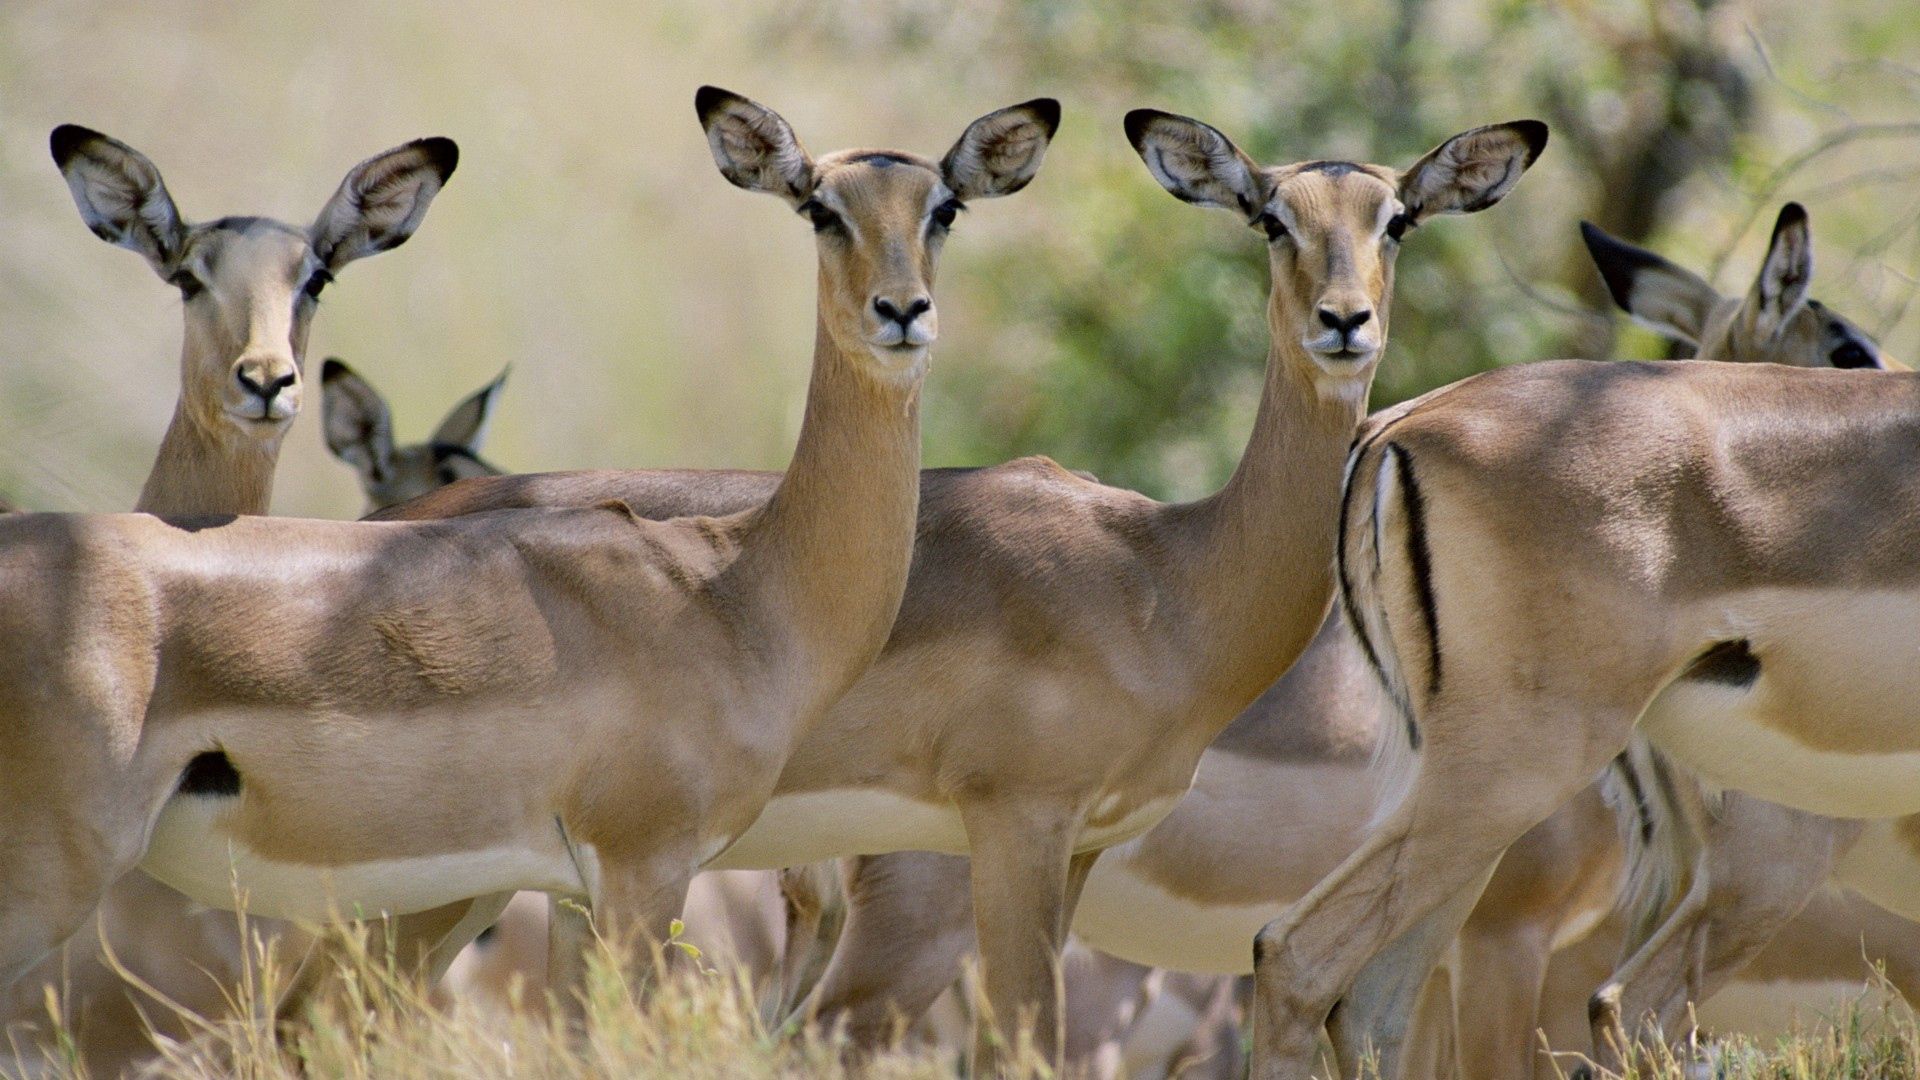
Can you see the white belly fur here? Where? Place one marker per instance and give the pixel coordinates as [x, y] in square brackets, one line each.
[1135, 919]
[793, 830]
[192, 851]
[1883, 869]
[1852, 668]
[1706, 727]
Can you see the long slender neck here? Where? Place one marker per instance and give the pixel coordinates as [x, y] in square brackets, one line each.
[209, 468]
[1258, 554]
[831, 548]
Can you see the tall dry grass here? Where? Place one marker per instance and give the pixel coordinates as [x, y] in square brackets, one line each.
[379, 1021]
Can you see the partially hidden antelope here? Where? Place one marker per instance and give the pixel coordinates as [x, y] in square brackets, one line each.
[1713, 884]
[249, 289]
[359, 431]
[395, 717]
[1066, 649]
[1542, 560]
[732, 917]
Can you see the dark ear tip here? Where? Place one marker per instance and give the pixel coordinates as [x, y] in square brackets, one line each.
[1593, 234]
[1790, 215]
[710, 99]
[1048, 110]
[1136, 122]
[333, 369]
[66, 141]
[442, 151]
[1535, 133]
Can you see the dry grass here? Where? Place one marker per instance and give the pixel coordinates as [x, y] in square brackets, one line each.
[381, 1023]
[698, 1022]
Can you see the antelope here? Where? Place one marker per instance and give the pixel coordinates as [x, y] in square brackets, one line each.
[1046, 610]
[733, 917]
[1188, 894]
[359, 430]
[1542, 559]
[578, 701]
[249, 289]
[1735, 875]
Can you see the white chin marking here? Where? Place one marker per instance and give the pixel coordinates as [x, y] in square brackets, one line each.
[902, 365]
[192, 851]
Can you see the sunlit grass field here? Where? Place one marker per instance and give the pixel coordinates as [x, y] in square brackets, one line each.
[697, 1021]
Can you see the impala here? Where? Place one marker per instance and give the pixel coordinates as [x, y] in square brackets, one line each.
[1284, 793]
[578, 701]
[359, 430]
[249, 289]
[1066, 650]
[1541, 558]
[733, 917]
[1733, 876]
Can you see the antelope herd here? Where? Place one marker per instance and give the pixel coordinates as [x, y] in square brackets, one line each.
[1425, 721]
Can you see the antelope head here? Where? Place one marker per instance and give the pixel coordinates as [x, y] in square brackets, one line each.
[880, 216]
[249, 285]
[1776, 322]
[359, 429]
[1334, 228]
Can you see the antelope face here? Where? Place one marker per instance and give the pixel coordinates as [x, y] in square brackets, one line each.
[250, 287]
[1776, 322]
[358, 425]
[880, 216]
[1334, 228]
[249, 284]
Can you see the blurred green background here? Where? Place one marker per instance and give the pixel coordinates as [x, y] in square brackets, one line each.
[656, 316]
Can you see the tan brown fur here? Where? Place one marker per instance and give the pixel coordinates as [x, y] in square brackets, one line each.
[1711, 471]
[249, 317]
[1043, 605]
[656, 728]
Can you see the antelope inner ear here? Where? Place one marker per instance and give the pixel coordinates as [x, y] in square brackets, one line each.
[753, 146]
[1196, 163]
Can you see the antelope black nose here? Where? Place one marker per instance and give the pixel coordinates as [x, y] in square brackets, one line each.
[1332, 320]
[269, 390]
[887, 309]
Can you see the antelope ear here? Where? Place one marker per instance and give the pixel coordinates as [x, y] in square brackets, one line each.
[382, 201]
[999, 153]
[1197, 163]
[1658, 294]
[466, 425]
[1781, 289]
[358, 425]
[753, 146]
[120, 195]
[1473, 170]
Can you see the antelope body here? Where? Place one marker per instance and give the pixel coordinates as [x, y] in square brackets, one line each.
[249, 289]
[1566, 550]
[574, 700]
[1066, 650]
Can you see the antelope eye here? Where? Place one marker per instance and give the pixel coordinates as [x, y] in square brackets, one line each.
[188, 285]
[1398, 225]
[1851, 355]
[822, 218]
[320, 280]
[1270, 225]
[944, 214]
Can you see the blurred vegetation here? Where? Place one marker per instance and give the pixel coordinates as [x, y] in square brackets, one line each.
[656, 316]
